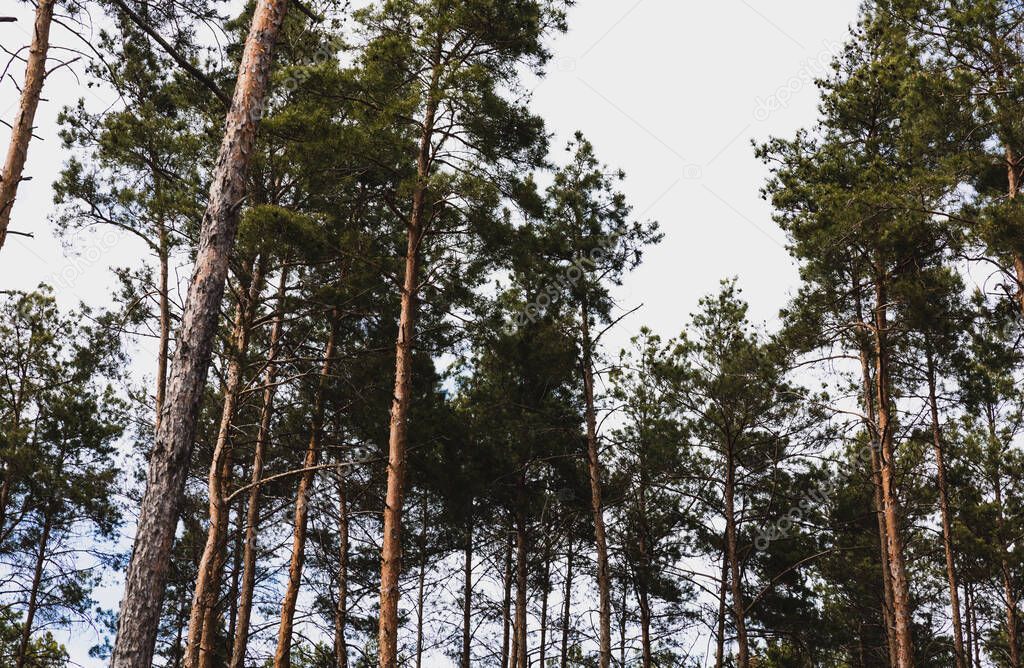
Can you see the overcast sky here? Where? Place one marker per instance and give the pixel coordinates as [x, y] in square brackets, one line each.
[671, 91]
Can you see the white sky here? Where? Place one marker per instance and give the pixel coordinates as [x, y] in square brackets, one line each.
[671, 91]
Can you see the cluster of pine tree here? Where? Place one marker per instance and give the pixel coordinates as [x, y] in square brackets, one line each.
[385, 428]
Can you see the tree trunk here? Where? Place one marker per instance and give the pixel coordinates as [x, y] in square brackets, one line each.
[1013, 180]
[23, 659]
[21, 131]
[422, 579]
[947, 530]
[165, 326]
[506, 604]
[894, 542]
[622, 627]
[341, 611]
[722, 595]
[391, 548]
[974, 625]
[522, 649]
[871, 425]
[968, 627]
[567, 607]
[236, 574]
[544, 591]
[139, 614]
[241, 641]
[201, 649]
[596, 505]
[738, 606]
[467, 597]
[282, 656]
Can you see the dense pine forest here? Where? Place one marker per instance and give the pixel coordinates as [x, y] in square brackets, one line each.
[385, 424]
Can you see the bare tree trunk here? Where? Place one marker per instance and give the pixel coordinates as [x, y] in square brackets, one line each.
[467, 597]
[422, 579]
[947, 530]
[544, 591]
[622, 627]
[738, 606]
[871, 425]
[241, 641]
[23, 659]
[596, 505]
[974, 626]
[165, 326]
[969, 630]
[1013, 179]
[201, 648]
[391, 547]
[341, 611]
[894, 542]
[282, 656]
[236, 573]
[506, 605]
[21, 130]
[522, 648]
[722, 594]
[168, 464]
[567, 607]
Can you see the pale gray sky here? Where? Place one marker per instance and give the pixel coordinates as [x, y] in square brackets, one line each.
[671, 91]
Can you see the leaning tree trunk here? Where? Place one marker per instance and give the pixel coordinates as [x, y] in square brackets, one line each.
[947, 529]
[252, 517]
[200, 650]
[596, 505]
[738, 606]
[282, 656]
[21, 130]
[890, 503]
[139, 615]
[23, 659]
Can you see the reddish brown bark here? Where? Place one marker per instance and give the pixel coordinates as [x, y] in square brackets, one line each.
[391, 548]
[247, 590]
[947, 530]
[168, 464]
[21, 130]
[282, 656]
[200, 650]
[890, 502]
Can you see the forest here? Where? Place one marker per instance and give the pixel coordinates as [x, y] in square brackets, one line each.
[385, 425]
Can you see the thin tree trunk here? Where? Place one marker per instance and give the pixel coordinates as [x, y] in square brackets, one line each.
[522, 649]
[567, 607]
[1013, 180]
[506, 605]
[969, 630]
[596, 505]
[139, 615]
[282, 656]
[201, 649]
[236, 573]
[21, 131]
[241, 641]
[422, 580]
[974, 625]
[544, 591]
[391, 548]
[622, 627]
[947, 530]
[722, 593]
[23, 659]
[165, 326]
[341, 611]
[467, 596]
[738, 606]
[894, 542]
